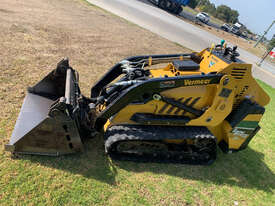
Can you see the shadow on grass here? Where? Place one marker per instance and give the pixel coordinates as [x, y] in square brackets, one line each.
[245, 169]
[92, 163]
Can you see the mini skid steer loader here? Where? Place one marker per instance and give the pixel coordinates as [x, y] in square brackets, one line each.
[156, 108]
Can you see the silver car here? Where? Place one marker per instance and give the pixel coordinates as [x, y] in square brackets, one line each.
[204, 17]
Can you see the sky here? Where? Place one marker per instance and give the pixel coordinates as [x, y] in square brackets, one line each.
[257, 15]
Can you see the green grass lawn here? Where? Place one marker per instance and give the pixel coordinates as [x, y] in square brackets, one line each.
[91, 178]
[190, 10]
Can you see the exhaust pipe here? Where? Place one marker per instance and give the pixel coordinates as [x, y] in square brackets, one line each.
[49, 123]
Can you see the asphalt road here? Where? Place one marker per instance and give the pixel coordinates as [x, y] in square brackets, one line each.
[177, 30]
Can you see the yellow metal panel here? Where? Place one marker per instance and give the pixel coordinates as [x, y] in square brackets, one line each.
[220, 107]
[253, 117]
[211, 63]
[204, 92]
[171, 72]
[220, 131]
[246, 86]
[235, 141]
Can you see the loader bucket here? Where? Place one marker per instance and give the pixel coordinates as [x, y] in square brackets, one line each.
[46, 124]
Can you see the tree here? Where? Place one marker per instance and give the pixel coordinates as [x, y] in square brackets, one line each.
[222, 12]
[234, 16]
[226, 14]
[193, 3]
[203, 2]
[206, 6]
[271, 44]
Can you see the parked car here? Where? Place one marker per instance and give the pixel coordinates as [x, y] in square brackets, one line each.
[244, 34]
[236, 29]
[204, 17]
[225, 27]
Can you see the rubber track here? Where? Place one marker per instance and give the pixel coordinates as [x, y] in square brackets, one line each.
[117, 134]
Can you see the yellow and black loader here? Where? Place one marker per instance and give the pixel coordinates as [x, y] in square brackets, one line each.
[155, 108]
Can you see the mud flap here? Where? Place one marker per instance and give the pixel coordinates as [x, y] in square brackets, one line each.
[46, 124]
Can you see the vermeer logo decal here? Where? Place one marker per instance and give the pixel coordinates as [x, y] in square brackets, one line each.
[188, 82]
